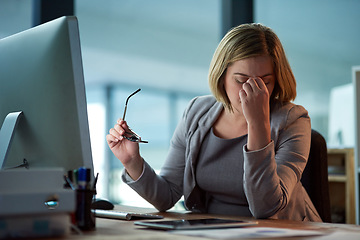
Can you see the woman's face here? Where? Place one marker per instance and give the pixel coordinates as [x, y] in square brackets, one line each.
[239, 72]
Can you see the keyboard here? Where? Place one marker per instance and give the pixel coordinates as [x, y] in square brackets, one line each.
[113, 214]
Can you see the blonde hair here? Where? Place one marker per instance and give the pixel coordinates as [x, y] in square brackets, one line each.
[245, 41]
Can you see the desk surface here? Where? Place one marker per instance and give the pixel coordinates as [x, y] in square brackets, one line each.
[119, 229]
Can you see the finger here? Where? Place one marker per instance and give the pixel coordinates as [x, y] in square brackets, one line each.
[111, 140]
[121, 124]
[119, 129]
[247, 87]
[260, 83]
[242, 95]
[253, 83]
[115, 134]
[125, 126]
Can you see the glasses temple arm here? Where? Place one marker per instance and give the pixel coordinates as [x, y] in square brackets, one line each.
[127, 100]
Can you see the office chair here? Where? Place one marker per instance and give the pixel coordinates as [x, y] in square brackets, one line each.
[315, 176]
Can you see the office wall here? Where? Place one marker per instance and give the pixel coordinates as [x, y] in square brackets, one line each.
[15, 16]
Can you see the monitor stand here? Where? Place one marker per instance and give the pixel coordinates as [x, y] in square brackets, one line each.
[6, 135]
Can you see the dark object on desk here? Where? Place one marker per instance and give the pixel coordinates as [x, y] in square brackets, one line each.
[85, 217]
[205, 223]
[102, 204]
[120, 215]
[315, 176]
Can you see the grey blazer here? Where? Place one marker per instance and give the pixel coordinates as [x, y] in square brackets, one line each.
[271, 175]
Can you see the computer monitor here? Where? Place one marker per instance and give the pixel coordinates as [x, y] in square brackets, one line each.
[41, 75]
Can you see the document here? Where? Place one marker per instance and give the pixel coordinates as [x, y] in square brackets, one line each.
[253, 232]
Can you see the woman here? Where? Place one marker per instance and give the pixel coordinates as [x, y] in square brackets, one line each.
[241, 151]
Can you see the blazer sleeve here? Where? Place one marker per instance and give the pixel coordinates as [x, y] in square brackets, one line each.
[271, 173]
[163, 190]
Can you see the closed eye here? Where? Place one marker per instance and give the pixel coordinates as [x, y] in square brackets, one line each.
[241, 80]
[267, 79]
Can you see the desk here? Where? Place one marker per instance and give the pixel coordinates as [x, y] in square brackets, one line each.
[108, 229]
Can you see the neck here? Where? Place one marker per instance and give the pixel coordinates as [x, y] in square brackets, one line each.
[234, 116]
[230, 125]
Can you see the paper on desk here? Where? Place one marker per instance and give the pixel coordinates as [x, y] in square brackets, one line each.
[253, 232]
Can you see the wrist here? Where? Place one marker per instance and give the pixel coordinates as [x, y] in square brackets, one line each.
[259, 136]
[134, 168]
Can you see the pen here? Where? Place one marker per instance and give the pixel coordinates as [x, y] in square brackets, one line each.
[70, 175]
[75, 176]
[95, 181]
[88, 178]
[82, 178]
[68, 181]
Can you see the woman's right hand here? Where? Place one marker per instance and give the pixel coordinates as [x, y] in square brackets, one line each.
[126, 151]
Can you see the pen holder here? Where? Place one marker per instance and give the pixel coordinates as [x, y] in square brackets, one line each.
[85, 217]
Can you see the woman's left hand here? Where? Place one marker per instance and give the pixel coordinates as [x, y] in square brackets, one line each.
[255, 99]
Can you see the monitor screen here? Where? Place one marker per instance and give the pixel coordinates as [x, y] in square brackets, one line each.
[41, 75]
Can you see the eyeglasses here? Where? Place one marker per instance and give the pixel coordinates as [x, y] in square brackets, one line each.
[132, 136]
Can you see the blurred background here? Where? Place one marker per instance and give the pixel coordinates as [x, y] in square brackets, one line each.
[164, 47]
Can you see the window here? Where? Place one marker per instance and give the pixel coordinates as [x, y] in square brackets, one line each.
[162, 47]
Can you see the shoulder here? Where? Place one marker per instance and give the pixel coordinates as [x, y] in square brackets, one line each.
[201, 112]
[284, 114]
[200, 105]
[203, 101]
[197, 117]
